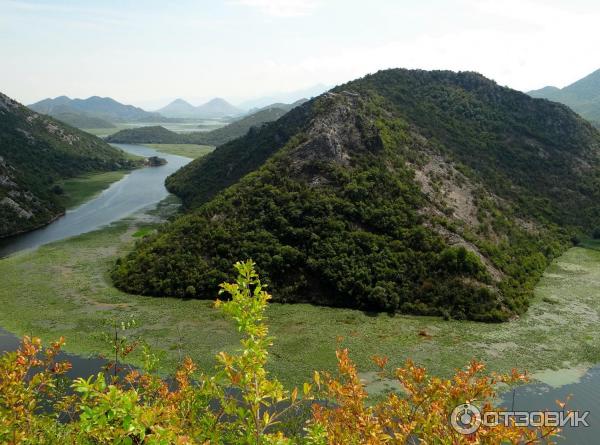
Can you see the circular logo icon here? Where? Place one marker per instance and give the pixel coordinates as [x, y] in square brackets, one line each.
[465, 418]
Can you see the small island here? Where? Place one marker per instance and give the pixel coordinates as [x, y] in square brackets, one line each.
[154, 161]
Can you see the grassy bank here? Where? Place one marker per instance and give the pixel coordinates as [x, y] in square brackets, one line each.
[192, 151]
[63, 289]
[78, 190]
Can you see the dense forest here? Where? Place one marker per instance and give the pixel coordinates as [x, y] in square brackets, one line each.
[422, 192]
[35, 152]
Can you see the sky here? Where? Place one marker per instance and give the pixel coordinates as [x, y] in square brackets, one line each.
[148, 52]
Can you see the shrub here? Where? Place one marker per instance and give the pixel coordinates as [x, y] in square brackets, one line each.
[241, 403]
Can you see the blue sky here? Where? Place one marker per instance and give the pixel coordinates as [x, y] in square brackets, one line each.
[149, 52]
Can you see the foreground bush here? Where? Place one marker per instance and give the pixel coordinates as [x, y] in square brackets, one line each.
[240, 403]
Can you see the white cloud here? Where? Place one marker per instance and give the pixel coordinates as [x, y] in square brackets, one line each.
[280, 8]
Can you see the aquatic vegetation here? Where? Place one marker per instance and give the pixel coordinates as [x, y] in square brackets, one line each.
[241, 403]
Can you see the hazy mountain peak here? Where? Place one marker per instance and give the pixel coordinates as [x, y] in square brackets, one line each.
[217, 101]
[180, 101]
[214, 108]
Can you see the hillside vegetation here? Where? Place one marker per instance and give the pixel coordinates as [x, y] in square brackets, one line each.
[154, 134]
[35, 152]
[434, 193]
[81, 120]
[582, 96]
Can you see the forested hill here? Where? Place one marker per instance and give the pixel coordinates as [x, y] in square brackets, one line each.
[154, 134]
[422, 192]
[35, 151]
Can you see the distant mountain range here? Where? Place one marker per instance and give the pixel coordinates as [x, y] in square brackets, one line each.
[215, 108]
[105, 112]
[236, 129]
[582, 96]
[36, 151]
[93, 112]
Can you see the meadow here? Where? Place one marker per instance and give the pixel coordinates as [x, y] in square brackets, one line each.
[63, 289]
[78, 190]
[192, 151]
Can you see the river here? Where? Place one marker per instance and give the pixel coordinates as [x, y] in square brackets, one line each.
[139, 189]
[144, 188]
[584, 396]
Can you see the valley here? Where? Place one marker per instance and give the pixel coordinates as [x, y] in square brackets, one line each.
[64, 288]
[299, 222]
[183, 126]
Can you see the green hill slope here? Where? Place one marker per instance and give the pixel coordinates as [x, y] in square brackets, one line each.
[81, 120]
[582, 96]
[420, 192]
[36, 151]
[148, 135]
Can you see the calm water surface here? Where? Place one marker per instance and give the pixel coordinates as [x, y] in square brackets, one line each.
[137, 190]
[585, 396]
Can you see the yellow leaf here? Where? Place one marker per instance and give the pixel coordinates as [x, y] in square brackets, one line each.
[307, 388]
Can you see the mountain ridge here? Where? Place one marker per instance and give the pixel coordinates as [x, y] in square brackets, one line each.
[95, 107]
